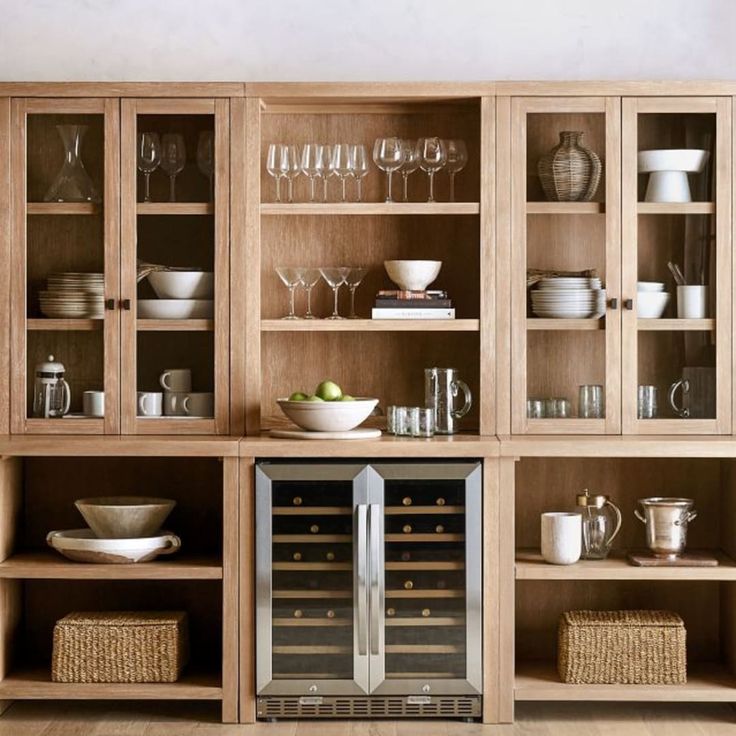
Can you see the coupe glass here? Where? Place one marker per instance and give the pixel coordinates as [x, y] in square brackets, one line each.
[327, 171]
[387, 155]
[277, 164]
[291, 277]
[358, 167]
[335, 278]
[173, 158]
[341, 165]
[206, 158]
[410, 163]
[432, 157]
[353, 279]
[293, 168]
[457, 157]
[312, 165]
[149, 158]
[310, 277]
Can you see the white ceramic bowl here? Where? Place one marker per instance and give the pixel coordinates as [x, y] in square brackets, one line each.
[412, 275]
[672, 159]
[175, 309]
[183, 284]
[649, 286]
[81, 545]
[651, 304]
[125, 517]
[328, 416]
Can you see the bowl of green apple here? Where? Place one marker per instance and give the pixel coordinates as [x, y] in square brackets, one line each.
[328, 409]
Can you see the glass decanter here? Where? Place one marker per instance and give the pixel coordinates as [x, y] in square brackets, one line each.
[72, 183]
[601, 524]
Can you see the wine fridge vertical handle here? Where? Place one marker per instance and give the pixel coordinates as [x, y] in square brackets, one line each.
[362, 589]
[374, 570]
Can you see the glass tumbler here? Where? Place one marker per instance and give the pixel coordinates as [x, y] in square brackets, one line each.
[402, 421]
[591, 402]
[646, 402]
[422, 422]
[391, 419]
[535, 408]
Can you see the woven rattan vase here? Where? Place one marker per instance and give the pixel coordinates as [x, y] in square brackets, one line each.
[570, 172]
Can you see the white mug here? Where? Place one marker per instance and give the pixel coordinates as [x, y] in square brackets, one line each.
[176, 379]
[562, 534]
[692, 302]
[93, 403]
[199, 404]
[174, 403]
[149, 403]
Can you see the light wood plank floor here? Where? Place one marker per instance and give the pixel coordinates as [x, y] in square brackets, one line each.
[533, 719]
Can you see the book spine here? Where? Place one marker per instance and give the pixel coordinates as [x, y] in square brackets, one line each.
[413, 313]
[413, 304]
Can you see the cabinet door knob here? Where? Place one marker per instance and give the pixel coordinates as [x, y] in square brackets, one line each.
[613, 303]
[125, 304]
[110, 304]
[629, 304]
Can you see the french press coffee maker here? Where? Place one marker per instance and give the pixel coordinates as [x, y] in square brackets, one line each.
[51, 394]
[601, 524]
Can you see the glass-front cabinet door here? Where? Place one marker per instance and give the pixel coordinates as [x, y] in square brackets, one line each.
[65, 266]
[677, 265]
[565, 265]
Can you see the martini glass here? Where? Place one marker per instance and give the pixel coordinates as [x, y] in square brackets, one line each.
[335, 277]
[291, 277]
[353, 279]
[310, 277]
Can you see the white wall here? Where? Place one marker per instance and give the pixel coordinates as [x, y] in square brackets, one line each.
[115, 40]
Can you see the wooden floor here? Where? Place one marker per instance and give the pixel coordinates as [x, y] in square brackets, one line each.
[533, 719]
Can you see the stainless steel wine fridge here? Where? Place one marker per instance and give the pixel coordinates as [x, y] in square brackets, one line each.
[368, 589]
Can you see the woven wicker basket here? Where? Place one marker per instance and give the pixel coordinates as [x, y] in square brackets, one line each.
[120, 647]
[621, 647]
[570, 172]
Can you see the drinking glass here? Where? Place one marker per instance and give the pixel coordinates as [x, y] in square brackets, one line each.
[173, 158]
[387, 155]
[590, 402]
[341, 165]
[422, 422]
[293, 168]
[149, 157]
[335, 278]
[457, 157]
[291, 277]
[353, 279]
[206, 158]
[358, 167]
[432, 157]
[327, 171]
[277, 164]
[535, 408]
[646, 402]
[310, 277]
[312, 163]
[409, 165]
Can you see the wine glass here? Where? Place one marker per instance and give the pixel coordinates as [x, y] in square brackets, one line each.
[310, 277]
[409, 164]
[432, 157]
[291, 277]
[311, 164]
[341, 165]
[173, 158]
[358, 167]
[353, 279]
[457, 157]
[149, 158]
[388, 157]
[277, 165]
[335, 278]
[206, 158]
[293, 167]
[327, 171]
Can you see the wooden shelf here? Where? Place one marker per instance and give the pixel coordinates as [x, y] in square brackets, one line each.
[311, 622]
[63, 208]
[541, 323]
[310, 649]
[672, 325]
[370, 325]
[425, 593]
[675, 208]
[565, 208]
[371, 208]
[705, 683]
[317, 594]
[425, 621]
[408, 538]
[175, 325]
[51, 566]
[315, 538]
[531, 566]
[47, 324]
[175, 208]
[325, 566]
[424, 649]
[419, 510]
[312, 510]
[421, 565]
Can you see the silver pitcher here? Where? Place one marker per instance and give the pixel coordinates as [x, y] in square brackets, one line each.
[666, 521]
[441, 387]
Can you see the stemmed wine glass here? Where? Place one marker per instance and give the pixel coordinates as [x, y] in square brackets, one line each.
[173, 158]
[432, 157]
[327, 171]
[291, 277]
[353, 279]
[206, 158]
[335, 277]
[409, 164]
[387, 156]
[277, 164]
[457, 157]
[149, 157]
[310, 277]
[341, 165]
[293, 167]
[358, 167]
[312, 164]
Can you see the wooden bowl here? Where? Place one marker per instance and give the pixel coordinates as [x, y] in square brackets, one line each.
[125, 517]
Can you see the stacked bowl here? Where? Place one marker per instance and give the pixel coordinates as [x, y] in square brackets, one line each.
[569, 297]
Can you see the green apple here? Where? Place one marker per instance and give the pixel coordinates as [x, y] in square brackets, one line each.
[328, 391]
[313, 398]
[347, 397]
[298, 396]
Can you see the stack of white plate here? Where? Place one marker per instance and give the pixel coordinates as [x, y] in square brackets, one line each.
[569, 297]
[74, 295]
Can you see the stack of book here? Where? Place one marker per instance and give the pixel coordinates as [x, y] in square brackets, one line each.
[413, 305]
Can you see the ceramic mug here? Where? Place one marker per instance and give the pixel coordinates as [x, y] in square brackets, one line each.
[174, 403]
[93, 403]
[176, 379]
[562, 534]
[199, 404]
[692, 302]
[149, 403]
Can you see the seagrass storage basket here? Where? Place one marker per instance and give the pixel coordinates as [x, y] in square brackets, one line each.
[621, 647]
[120, 646]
